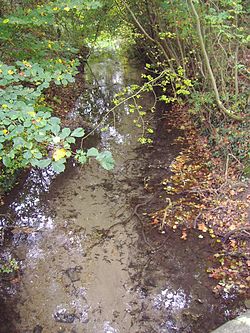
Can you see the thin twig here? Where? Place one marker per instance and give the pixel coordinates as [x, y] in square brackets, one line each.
[121, 103]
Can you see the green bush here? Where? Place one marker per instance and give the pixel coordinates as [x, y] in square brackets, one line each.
[29, 134]
[39, 43]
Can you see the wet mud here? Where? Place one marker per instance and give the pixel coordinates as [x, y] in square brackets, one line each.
[89, 260]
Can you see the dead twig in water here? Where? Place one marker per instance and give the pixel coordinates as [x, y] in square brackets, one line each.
[106, 232]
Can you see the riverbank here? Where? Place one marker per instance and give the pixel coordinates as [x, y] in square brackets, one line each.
[208, 194]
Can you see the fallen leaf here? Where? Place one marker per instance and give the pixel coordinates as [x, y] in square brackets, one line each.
[202, 227]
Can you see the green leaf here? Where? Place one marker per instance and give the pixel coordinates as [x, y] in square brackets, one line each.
[33, 162]
[27, 155]
[58, 166]
[55, 129]
[56, 139]
[54, 121]
[81, 156]
[40, 138]
[78, 132]
[7, 161]
[106, 160]
[68, 153]
[82, 159]
[70, 140]
[43, 163]
[38, 154]
[92, 152]
[19, 141]
[65, 132]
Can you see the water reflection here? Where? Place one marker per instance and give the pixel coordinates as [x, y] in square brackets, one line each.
[169, 299]
[28, 210]
[107, 328]
[112, 134]
[102, 83]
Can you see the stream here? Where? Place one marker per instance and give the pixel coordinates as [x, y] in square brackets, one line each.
[83, 266]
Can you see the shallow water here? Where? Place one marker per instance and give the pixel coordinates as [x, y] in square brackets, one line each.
[79, 272]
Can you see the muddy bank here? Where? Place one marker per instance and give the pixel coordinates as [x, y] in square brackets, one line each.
[90, 261]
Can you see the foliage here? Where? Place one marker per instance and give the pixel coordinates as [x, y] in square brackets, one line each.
[154, 79]
[104, 158]
[29, 134]
[8, 266]
[215, 60]
[35, 57]
[46, 29]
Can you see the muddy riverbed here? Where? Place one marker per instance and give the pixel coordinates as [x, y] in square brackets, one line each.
[90, 263]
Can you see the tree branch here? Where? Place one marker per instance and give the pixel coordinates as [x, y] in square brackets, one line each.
[208, 65]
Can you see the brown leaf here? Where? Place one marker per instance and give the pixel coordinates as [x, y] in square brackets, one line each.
[184, 235]
[202, 227]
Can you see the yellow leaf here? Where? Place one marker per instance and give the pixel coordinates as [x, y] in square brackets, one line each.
[67, 9]
[59, 153]
[10, 72]
[27, 64]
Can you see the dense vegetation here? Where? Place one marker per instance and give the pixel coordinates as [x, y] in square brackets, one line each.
[198, 49]
[207, 42]
[40, 47]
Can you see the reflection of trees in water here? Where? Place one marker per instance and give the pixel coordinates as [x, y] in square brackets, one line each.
[104, 83]
[28, 209]
[96, 102]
